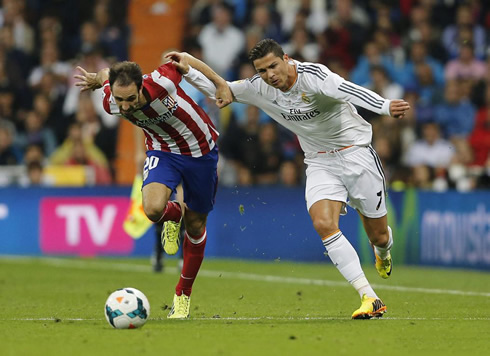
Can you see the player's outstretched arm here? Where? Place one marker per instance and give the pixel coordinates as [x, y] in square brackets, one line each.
[183, 61]
[398, 108]
[91, 81]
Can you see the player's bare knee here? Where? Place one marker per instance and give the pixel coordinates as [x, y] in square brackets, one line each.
[154, 212]
[195, 224]
[196, 228]
[325, 226]
[379, 238]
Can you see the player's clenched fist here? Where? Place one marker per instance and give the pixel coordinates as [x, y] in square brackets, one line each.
[398, 108]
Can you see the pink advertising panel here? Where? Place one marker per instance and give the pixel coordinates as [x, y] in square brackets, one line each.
[85, 226]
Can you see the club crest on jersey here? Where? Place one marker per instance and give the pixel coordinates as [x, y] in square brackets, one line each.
[305, 99]
[170, 103]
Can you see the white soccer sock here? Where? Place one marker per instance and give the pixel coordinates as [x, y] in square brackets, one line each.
[345, 258]
[384, 252]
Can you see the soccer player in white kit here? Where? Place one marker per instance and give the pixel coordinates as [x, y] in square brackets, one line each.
[342, 167]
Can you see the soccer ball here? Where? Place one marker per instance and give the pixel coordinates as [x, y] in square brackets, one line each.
[127, 308]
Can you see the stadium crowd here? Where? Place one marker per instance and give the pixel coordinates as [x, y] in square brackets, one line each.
[433, 53]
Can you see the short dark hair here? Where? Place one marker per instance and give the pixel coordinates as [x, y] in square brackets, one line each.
[264, 47]
[126, 73]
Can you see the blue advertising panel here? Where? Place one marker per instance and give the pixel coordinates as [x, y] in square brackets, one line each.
[269, 223]
[455, 229]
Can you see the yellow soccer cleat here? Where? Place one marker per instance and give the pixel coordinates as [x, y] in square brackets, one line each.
[136, 224]
[180, 307]
[171, 236]
[370, 308]
[384, 267]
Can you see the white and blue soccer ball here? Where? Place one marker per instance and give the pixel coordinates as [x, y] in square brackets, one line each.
[127, 308]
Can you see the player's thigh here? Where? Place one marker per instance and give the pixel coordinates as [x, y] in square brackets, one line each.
[155, 198]
[364, 179]
[161, 176]
[200, 182]
[323, 181]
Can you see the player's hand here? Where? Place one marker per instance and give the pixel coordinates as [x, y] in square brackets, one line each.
[398, 108]
[88, 81]
[179, 60]
[224, 96]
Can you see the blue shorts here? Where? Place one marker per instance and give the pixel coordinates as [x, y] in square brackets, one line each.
[198, 175]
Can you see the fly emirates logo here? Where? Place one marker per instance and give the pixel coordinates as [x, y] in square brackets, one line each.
[298, 115]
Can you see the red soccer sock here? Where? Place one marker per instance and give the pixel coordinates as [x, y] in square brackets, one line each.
[172, 211]
[193, 256]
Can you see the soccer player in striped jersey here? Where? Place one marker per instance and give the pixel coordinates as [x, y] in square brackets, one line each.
[342, 167]
[181, 146]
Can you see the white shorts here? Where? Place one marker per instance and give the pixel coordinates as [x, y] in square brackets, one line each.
[353, 175]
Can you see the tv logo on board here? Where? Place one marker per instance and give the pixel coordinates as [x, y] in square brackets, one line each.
[84, 226]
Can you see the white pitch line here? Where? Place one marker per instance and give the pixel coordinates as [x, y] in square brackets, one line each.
[127, 267]
[262, 318]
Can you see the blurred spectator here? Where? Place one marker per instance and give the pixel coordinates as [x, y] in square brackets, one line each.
[429, 35]
[383, 85]
[35, 132]
[480, 136]
[50, 63]
[34, 152]
[263, 18]
[92, 61]
[455, 115]
[465, 66]
[7, 101]
[221, 42]
[418, 55]
[432, 150]
[50, 114]
[9, 154]
[35, 176]
[351, 18]
[268, 156]
[314, 10]
[465, 29]
[14, 16]
[15, 62]
[361, 74]
[111, 37]
[93, 130]
[300, 47]
[253, 149]
[77, 150]
[427, 90]
[334, 46]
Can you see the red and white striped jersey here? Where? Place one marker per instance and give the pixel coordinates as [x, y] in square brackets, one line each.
[171, 121]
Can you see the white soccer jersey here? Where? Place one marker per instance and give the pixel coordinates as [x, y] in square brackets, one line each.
[318, 108]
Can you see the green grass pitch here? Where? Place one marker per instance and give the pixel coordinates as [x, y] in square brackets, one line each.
[54, 306]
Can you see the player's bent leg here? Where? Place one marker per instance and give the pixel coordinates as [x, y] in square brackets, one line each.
[381, 239]
[193, 254]
[155, 198]
[325, 216]
[370, 308]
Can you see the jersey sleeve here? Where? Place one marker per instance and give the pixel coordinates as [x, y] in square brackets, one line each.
[200, 82]
[106, 96]
[334, 86]
[244, 91]
[169, 71]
